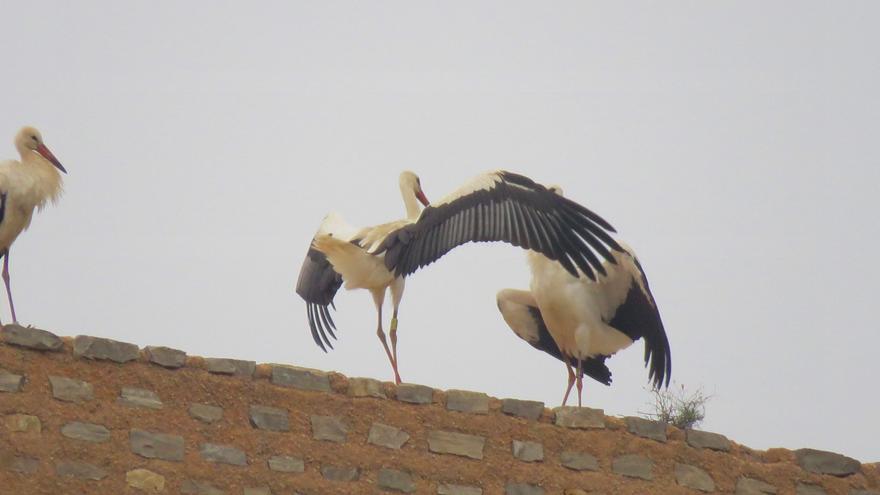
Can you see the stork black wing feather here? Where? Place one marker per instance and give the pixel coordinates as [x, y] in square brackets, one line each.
[317, 285]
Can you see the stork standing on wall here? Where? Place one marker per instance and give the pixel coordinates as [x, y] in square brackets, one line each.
[494, 206]
[583, 322]
[25, 186]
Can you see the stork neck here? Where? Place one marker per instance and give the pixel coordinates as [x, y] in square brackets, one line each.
[413, 210]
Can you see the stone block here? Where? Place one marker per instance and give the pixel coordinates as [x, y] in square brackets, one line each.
[707, 440]
[340, 473]
[269, 418]
[450, 489]
[237, 367]
[528, 451]
[822, 462]
[301, 378]
[156, 445]
[104, 349]
[633, 466]
[32, 338]
[23, 423]
[447, 442]
[223, 454]
[655, 430]
[365, 387]
[286, 464]
[522, 489]
[145, 480]
[10, 382]
[260, 490]
[579, 417]
[139, 397]
[192, 487]
[206, 413]
[396, 481]
[18, 464]
[81, 470]
[329, 428]
[579, 461]
[693, 477]
[165, 356]
[529, 409]
[749, 486]
[467, 402]
[88, 432]
[809, 489]
[387, 436]
[415, 394]
[70, 390]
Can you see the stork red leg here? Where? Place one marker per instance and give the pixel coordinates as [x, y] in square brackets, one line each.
[580, 380]
[379, 298]
[393, 333]
[570, 380]
[5, 255]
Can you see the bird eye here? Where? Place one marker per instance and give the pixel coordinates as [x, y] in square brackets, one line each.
[34, 138]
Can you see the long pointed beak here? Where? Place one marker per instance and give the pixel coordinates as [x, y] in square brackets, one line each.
[421, 196]
[44, 151]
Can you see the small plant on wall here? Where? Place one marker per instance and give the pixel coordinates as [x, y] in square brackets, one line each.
[678, 406]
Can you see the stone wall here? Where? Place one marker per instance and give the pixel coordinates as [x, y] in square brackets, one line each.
[90, 415]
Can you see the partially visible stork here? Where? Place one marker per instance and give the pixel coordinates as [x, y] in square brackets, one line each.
[494, 206]
[25, 186]
[582, 322]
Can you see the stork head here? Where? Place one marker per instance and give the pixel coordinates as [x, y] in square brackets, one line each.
[29, 139]
[410, 183]
[555, 188]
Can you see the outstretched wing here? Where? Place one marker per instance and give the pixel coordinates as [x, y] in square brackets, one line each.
[638, 317]
[507, 207]
[317, 285]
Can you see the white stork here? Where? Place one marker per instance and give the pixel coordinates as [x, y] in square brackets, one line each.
[583, 322]
[494, 206]
[25, 186]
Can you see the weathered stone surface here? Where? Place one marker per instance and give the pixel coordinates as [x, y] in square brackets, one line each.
[206, 412]
[104, 349]
[165, 356]
[634, 466]
[223, 454]
[71, 390]
[396, 481]
[236, 367]
[707, 440]
[139, 397]
[530, 409]
[863, 492]
[192, 487]
[156, 445]
[749, 486]
[579, 461]
[286, 464]
[80, 470]
[450, 489]
[808, 489]
[655, 430]
[23, 423]
[522, 489]
[468, 402]
[18, 464]
[447, 442]
[365, 387]
[88, 432]
[387, 436]
[262, 490]
[528, 451]
[340, 473]
[10, 382]
[302, 378]
[579, 417]
[822, 462]
[330, 428]
[269, 418]
[32, 338]
[415, 394]
[693, 477]
[145, 480]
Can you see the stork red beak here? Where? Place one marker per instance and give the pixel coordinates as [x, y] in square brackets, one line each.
[44, 151]
[421, 196]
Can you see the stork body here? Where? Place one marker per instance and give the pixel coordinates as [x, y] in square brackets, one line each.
[582, 322]
[25, 186]
[494, 206]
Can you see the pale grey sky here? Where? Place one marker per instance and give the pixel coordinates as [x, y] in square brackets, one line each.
[732, 144]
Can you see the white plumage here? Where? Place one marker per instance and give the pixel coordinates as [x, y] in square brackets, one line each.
[25, 185]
